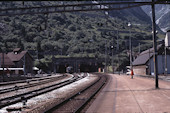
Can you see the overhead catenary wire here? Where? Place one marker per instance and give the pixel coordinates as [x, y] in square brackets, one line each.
[73, 8]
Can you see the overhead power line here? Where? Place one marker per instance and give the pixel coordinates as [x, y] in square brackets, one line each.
[75, 7]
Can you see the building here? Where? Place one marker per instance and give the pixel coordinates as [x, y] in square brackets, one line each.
[85, 64]
[5, 63]
[22, 59]
[144, 63]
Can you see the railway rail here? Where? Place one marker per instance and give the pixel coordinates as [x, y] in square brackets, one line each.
[27, 95]
[78, 101]
[23, 81]
[29, 83]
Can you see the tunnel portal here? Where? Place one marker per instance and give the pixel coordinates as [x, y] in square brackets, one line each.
[78, 64]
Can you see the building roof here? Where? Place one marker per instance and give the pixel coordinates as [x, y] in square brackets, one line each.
[16, 57]
[17, 49]
[144, 57]
[7, 60]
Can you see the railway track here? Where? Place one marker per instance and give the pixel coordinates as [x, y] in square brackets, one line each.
[23, 81]
[30, 83]
[25, 96]
[77, 102]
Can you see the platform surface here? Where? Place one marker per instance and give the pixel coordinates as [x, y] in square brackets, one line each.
[138, 95]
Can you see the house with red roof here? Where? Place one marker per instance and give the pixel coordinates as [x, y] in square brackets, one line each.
[7, 62]
[16, 62]
[22, 59]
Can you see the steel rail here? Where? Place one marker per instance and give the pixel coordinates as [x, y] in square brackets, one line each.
[23, 81]
[18, 98]
[81, 105]
[28, 85]
[78, 110]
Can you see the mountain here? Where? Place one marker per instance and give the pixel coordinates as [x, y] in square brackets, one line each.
[75, 34]
[162, 15]
[143, 14]
[134, 15]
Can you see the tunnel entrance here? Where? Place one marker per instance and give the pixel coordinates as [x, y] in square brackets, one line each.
[78, 64]
[61, 69]
[88, 68]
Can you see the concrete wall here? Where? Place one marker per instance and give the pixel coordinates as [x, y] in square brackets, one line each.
[139, 70]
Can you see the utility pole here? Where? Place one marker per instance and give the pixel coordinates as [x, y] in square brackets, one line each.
[112, 57]
[53, 62]
[24, 66]
[118, 50]
[0, 62]
[154, 45]
[105, 56]
[112, 54]
[165, 62]
[3, 66]
[130, 48]
[149, 62]
[139, 48]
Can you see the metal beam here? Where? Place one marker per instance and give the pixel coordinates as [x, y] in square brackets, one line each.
[75, 8]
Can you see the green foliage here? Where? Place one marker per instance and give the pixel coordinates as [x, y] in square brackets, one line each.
[20, 44]
[39, 50]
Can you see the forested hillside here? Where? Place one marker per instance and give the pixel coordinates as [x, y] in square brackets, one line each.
[76, 34]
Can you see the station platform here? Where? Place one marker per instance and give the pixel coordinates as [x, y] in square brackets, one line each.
[138, 95]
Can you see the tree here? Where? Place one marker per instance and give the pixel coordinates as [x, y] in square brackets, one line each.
[20, 44]
[23, 31]
[6, 47]
[39, 50]
[0, 49]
